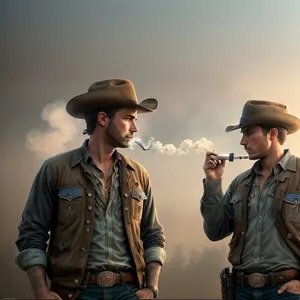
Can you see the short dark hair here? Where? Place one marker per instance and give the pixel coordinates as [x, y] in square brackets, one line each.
[282, 132]
[91, 118]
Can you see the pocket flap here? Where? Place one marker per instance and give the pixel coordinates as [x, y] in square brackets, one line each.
[138, 195]
[236, 198]
[292, 198]
[69, 193]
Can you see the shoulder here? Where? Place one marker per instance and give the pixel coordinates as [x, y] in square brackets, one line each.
[64, 158]
[241, 177]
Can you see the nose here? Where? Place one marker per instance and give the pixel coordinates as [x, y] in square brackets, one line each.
[133, 127]
[243, 141]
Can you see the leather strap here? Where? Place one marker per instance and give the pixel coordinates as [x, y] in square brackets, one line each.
[107, 279]
[260, 279]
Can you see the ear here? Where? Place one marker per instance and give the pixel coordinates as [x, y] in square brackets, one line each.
[273, 133]
[102, 118]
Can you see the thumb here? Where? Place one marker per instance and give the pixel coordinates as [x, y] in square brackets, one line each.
[282, 288]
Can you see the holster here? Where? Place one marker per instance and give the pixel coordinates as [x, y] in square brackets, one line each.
[227, 284]
[66, 293]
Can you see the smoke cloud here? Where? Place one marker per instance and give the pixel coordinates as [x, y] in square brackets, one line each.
[186, 146]
[63, 129]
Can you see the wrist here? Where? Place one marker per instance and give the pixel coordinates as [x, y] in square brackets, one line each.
[153, 289]
[41, 292]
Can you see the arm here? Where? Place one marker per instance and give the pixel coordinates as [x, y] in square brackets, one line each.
[153, 240]
[215, 207]
[33, 230]
[216, 211]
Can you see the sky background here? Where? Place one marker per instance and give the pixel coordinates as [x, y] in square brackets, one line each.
[201, 59]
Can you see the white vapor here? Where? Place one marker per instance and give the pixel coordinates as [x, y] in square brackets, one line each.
[186, 146]
[62, 130]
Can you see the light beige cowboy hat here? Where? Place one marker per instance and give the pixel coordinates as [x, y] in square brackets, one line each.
[111, 93]
[261, 112]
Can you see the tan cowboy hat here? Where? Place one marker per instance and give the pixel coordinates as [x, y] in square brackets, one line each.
[260, 112]
[119, 93]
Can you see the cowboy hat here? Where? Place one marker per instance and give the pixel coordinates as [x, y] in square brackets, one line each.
[111, 93]
[260, 112]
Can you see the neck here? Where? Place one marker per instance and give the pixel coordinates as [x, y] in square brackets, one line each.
[100, 152]
[270, 160]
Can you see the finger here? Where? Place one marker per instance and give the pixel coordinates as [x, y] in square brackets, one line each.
[210, 154]
[282, 289]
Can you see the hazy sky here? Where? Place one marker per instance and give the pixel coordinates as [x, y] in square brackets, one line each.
[201, 59]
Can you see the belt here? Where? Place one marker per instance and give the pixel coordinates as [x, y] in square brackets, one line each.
[108, 279]
[258, 280]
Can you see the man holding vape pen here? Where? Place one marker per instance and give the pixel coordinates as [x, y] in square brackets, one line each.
[261, 207]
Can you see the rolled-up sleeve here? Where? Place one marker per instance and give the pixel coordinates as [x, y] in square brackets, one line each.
[156, 254]
[36, 220]
[152, 232]
[216, 210]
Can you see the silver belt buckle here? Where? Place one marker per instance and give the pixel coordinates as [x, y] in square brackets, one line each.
[106, 279]
[256, 280]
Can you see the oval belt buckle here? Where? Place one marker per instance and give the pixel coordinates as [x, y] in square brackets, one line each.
[257, 280]
[106, 279]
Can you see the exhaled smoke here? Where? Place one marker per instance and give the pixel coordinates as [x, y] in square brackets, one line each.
[185, 147]
[62, 129]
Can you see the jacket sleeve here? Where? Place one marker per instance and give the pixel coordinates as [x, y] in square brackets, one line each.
[151, 230]
[216, 210]
[36, 220]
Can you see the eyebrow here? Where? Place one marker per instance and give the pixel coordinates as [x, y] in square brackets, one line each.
[131, 116]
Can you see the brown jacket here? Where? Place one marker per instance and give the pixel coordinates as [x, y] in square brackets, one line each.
[65, 207]
[287, 210]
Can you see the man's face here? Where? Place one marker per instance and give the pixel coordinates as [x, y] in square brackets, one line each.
[121, 128]
[255, 142]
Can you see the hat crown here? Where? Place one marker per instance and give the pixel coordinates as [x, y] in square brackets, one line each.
[119, 87]
[254, 107]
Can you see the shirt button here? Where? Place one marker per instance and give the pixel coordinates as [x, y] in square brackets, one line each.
[88, 229]
[126, 208]
[83, 249]
[76, 280]
[90, 194]
[88, 221]
[125, 195]
[242, 233]
[90, 207]
[70, 296]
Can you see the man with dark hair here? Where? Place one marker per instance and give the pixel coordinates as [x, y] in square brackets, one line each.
[105, 238]
[260, 207]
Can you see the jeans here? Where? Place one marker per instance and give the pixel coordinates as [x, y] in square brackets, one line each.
[265, 293]
[124, 291]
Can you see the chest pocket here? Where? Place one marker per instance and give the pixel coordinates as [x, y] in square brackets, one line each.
[70, 201]
[236, 201]
[137, 197]
[291, 207]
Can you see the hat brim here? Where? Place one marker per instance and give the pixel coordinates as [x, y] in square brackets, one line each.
[78, 106]
[290, 122]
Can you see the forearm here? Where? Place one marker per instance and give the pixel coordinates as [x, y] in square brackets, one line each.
[152, 273]
[216, 211]
[38, 281]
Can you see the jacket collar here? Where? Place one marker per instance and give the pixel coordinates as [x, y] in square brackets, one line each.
[81, 154]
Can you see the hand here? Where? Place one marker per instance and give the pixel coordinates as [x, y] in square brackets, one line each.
[213, 167]
[292, 286]
[47, 295]
[145, 294]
